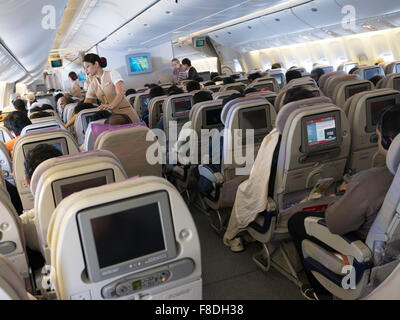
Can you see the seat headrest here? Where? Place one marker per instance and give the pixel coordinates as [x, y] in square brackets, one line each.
[285, 112]
[197, 106]
[232, 103]
[98, 129]
[393, 155]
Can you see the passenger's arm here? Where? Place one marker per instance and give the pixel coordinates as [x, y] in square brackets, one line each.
[119, 88]
[90, 95]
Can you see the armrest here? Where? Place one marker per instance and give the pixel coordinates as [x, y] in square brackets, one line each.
[349, 246]
[209, 174]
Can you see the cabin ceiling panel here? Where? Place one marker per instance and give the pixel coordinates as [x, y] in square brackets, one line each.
[319, 13]
[365, 9]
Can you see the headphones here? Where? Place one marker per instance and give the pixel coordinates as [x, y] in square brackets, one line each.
[385, 140]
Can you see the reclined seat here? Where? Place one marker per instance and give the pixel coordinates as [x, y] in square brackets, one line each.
[82, 123]
[237, 115]
[347, 89]
[61, 139]
[363, 115]
[12, 286]
[322, 82]
[131, 98]
[5, 135]
[152, 236]
[6, 163]
[372, 260]
[129, 144]
[156, 110]
[57, 178]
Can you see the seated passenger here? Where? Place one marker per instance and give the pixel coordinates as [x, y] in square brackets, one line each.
[209, 83]
[276, 66]
[129, 92]
[253, 77]
[192, 86]
[20, 105]
[118, 119]
[295, 94]
[292, 74]
[46, 107]
[250, 90]
[101, 114]
[228, 80]
[375, 80]
[198, 79]
[81, 106]
[317, 73]
[40, 114]
[356, 210]
[15, 122]
[213, 75]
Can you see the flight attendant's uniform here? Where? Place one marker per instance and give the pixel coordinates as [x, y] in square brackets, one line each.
[76, 90]
[106, 93]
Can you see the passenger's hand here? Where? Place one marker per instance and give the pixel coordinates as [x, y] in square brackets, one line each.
[342, 187]
[104, 107]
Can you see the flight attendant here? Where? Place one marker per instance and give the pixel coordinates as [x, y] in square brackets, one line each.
[107, 86]
[75, 88]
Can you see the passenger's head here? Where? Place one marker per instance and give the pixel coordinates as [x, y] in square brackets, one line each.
[231, 97]
[176, 64]
[253, 77]
[156, 91]
[40, 114]
[37, 155]
[388, 128]
[129, 92]
[73, 76]
[192, 86]
[198, 79]
[186, 63]
[250, 90]
[118, 119]
[202, 96]
[213, 75]
[376, 79]
[292, 74]
[174, 90]
[93, 63]
[52, 90]
[209, 83]
[19, 105]
[101, 114]
[16, 121]
[58, 96]
[83, 106]
[46, 107]
[64, 101]
[296, 94]
[276, 66]
[317, 73]
[228, 80]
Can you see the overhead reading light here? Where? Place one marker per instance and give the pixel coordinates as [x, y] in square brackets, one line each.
[314, 9]
[277, 19]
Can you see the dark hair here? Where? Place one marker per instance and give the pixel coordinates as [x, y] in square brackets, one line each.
[296, 94]
[192, 86]
[254, 76]
[37, 155]
[209, 83]
[276, 66]
[101, 114]
[198, 79]
[156, 91]
[213, 75]
[83, 106]
[129, 92]
[73, 75]
[228, 80]
[389, 125]
[231, 97]
[58, 96]
[319, 71]
[19, 105]
[174, 90]
[250, 90]
[202, 96]
[40, 114]
[353, 70]
[16, 121]
[46, 107]
[187, 62]
[118, 119]
[375, 79]
[35, 109]
[93, 58]
[292, 74]
[52, 90]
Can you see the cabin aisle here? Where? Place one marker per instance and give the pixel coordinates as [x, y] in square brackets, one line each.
[234, 276]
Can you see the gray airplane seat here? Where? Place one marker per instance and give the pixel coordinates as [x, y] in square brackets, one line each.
[334, 81]
[88, 143]
[228, 166]
[347, 89]
[366, 73]
[82, 122]
[61, 139]
[322, 82]
[393, 67]
[6, 163]
[270, 96]
[52, 112]
[363, 115]
[224, 94]
[43, 124]
[131, 98]
[233, 86]
[5, 135]
[156, 110]
[371, 261]
[138, 241]
[392, 81]
[130, 144]
[12, 286]
[69, 111]
[57, 178]
[265, 84]
[141, 104]
[279, 75]
[213, 88]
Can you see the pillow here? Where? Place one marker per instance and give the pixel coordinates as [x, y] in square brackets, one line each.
[98, 128]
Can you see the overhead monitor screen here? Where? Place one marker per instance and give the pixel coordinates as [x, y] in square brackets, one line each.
[352, 90]
[375, 106]
[321, 131]
[370, 73]
[181, 105]
[59, 143]
[138, 63]
[82, 76]
[56, 63]
[200, 43]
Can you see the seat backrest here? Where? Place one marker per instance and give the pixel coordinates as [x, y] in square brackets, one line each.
[213, 88]
[57, 178]
[266, 84]
[324, 79]
[130, 147]
[391, 81]
[81, 124]
[224, 94]
[280, 99]
[131, 98]
[40, 103]
[232, 86]
[52, 112]
[206, 115]
[363, 115]
[306, 81]
[334, 81]
[393, 67]
[369, 72]
[347, 89]
[45, 124]
[141, 103]
[315, 145]
[12, 286]
[89, 141]
[177, 108]
[5, 135]
[385, 231]
[155, 110]
[279, 75]
[155, 238]
[270, 96]
[68, 111]
[61, 139]
[5, 161]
